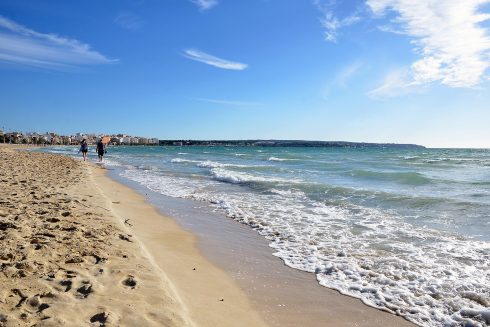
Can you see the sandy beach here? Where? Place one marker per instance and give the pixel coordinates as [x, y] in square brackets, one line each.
[80, 249]
[68, 257]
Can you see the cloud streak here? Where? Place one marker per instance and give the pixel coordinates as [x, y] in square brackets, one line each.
[342, 78]
[22, 46]
[395, 83]
[331, 23]
[205, 4]
[129, 21]
[453, 46]
[208, 59]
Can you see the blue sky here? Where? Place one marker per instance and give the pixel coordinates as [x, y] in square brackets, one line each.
[373, 70]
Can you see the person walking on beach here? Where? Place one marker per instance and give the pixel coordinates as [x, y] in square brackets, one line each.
[84, 148]
[100, 150]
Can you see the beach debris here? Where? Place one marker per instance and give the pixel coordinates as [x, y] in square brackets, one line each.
[126, 222]
[221, 300]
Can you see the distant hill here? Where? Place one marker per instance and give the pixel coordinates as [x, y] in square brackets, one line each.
[288, 143]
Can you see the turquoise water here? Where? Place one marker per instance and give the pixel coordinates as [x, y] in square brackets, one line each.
[407, 231]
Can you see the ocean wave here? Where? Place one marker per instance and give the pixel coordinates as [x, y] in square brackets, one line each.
[236, 177]
[409, 177]
[214, 164]
[281, 159]
[178, 160]
[410, 157]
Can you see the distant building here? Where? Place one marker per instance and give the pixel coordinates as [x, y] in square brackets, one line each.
[116, 140]
[78, 137]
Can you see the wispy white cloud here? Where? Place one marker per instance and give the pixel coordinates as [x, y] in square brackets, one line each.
[453, 45]
[346, 74]
[330, 22]
[395, 83]
[129, 21]
[342, 78]
[230, 102]
[205, 4]
[23, 46]
[203, 57]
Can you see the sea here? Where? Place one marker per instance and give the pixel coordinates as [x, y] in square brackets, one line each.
[406, 230]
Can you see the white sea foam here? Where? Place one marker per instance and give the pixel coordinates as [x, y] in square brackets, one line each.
[236, 177]
[363, 253]
[212, 164]
[111, 163]
[281, 159]
[178, 160]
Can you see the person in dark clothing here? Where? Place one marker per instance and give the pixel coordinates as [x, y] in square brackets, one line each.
[100, 150]
[84, 148]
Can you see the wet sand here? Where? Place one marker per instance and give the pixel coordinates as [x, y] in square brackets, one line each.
[282, 295]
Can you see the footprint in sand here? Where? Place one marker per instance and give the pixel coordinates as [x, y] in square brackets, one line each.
[101, 318]
[85, 290]
[130, 282]
[67, 283]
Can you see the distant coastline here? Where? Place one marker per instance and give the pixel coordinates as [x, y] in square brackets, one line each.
[123, 139]
[287, 143]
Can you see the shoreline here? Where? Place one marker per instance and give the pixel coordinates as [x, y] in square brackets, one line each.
[284, 296]
[136, 264]
[212, 297]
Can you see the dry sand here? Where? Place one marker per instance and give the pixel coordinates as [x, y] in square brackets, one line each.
[70, 256]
